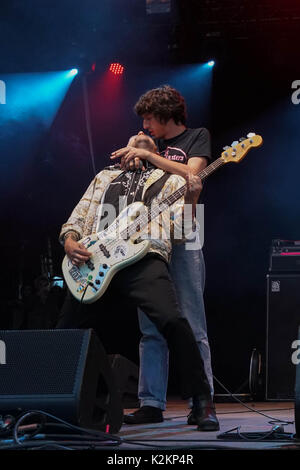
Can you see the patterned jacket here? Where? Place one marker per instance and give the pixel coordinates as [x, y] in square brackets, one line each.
[85, 217]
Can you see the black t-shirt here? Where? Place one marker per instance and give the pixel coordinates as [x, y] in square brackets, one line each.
[190, 143]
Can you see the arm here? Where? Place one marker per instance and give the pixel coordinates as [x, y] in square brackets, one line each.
[72, 230]
[194, 165]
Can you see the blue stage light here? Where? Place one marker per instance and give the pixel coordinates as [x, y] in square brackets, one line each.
[31, 104]
[35, 95]
[72, 73]
[211, 63]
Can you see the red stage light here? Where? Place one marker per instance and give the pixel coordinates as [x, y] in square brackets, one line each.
[116, 68]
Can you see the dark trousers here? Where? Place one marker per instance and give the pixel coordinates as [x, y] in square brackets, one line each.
[148, 284]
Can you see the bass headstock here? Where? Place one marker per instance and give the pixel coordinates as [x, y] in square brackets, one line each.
[239, 149]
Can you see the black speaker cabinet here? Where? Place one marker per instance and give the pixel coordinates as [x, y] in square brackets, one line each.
[283, 320]
[63, 372]
[297, 388]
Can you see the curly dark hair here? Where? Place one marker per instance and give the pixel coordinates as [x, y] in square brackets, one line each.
[164, 103]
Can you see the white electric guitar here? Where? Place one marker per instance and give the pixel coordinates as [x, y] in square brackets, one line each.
[121, 244]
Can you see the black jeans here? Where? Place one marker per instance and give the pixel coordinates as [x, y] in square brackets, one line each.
[148, 284]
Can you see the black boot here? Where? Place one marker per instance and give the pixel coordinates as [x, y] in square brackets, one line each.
[204, 415]
[145, 414]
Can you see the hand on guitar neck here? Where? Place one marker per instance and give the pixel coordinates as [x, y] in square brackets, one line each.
[76, 251]
[193, 188]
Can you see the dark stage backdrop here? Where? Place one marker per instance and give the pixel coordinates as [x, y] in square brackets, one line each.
[246, 205]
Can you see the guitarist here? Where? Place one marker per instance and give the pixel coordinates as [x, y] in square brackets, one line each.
[182, 150]
[147, 282]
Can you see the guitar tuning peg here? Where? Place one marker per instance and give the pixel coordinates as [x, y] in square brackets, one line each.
[241, 139]
[234, 143]
[251, 134]
[226, 147]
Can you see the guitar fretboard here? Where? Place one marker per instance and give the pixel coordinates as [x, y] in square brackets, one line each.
[144, 219]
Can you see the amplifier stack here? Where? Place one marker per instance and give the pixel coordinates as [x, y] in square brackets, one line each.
[283, 319]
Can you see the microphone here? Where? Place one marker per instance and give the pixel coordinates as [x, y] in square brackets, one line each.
[116, 166]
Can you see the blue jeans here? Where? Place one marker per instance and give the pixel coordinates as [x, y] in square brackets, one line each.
[187, 270]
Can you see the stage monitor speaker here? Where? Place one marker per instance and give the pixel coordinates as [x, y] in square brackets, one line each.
[283, 319]
[63, 372]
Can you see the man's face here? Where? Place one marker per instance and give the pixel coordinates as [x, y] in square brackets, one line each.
[142, 141]
[155, 128]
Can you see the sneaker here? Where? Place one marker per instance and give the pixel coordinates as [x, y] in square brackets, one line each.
[145, 414]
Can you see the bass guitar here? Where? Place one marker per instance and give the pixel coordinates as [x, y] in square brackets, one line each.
[111, 253]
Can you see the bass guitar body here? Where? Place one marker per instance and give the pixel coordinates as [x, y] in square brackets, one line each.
[111, 252]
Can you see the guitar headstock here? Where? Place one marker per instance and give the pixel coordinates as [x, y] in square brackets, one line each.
[239, 150]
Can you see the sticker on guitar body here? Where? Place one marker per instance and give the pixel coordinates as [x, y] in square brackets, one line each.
[120, 251]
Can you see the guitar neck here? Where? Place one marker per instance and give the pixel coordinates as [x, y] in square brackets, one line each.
[203, 175]
[143, 220]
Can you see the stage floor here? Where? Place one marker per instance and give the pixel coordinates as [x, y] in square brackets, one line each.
[241, 429]
[174, 433]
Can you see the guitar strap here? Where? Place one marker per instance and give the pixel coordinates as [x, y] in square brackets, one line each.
[154, 185]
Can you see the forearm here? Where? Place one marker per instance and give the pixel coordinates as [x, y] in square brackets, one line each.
[183, 219]
[178, 168]
[192, 203]
[167, 165]
[181, 212]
